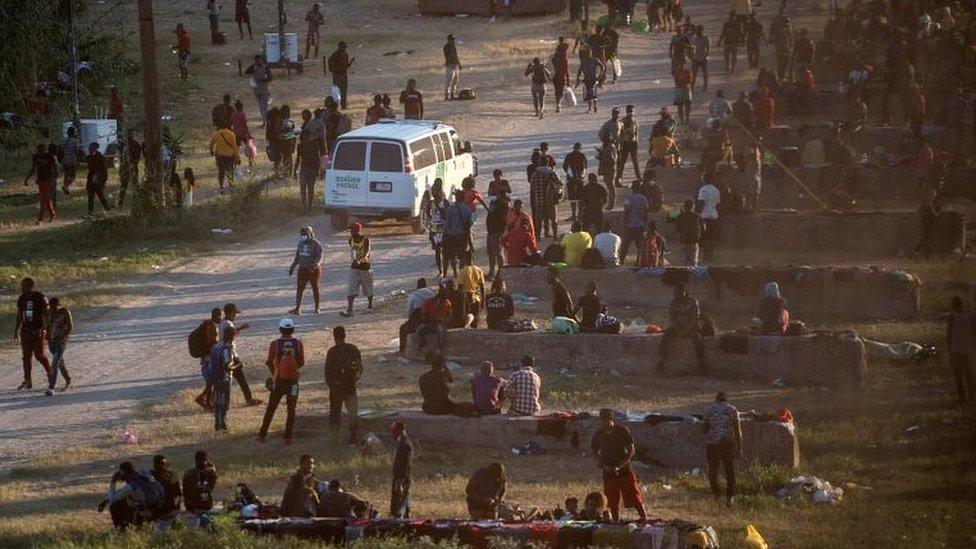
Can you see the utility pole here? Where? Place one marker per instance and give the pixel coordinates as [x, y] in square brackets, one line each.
[73, 59]
[150, 97]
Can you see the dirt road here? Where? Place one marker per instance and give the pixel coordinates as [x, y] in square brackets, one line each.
[137, 353]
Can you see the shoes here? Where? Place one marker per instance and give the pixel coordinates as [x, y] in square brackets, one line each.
[67, 385]
[295, 311]
[317, 311]
[254, 402]
[25, 386]
[48, 392]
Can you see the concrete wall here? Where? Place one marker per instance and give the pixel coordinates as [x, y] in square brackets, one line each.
[483, 7]
[670, 444]
[823, 360]
[850, 293]
[782, 236]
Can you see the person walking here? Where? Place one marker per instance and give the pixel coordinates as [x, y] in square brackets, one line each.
[97, 178]
[412, 101]
[701, 48]
[308, 259]
[360, 271]
[223, 147]
[44, 167]
[286, 356]
[754, 39]
[230, 321]
[242, 16]
[221, 113]
[30, 332]
[540, 77]
[261, 77]
[343, 368]
[69, 153]
[238, 123]
[682, 91]
[452, 68]
[213, 14]
[960, 328]
[592, 71]
[781, 35]
[560, 73]
[315, 20]
[629, 137]
[731, 37]
[210, 336]
[613, 447]
[182, 48]
[60, 324]
[402, 467]
[338, 64]
[723, 444]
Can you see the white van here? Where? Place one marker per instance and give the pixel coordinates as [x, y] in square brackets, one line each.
[383, 170]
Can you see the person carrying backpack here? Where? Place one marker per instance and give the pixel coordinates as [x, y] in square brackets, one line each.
[138, 499]
[199, 483]
[540, 77]
[172, 493]
[201, 342]
[222, 361]
[286, 356]
[343, 368]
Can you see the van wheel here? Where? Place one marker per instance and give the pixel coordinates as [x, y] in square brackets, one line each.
[418, 225]
[339, 221]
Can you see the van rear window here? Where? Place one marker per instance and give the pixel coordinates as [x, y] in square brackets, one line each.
[423, 153]
[350, 155]
[385, 157]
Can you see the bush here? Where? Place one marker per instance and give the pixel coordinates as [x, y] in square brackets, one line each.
[761, 479]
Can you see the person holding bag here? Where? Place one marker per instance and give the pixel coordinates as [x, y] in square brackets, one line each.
[223, 146]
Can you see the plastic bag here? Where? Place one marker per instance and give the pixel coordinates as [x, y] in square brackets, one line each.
[563, 325]
[754, 539]
[617, 69]
[572, 96]
[251, 149]
[128, 437]
[335, 93]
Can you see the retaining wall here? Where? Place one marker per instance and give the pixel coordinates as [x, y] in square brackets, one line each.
[484, 7]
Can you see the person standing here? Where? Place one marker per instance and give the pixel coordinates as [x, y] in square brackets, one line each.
[542, 194]
[701, 48]
[44, 168]
[308, 259]
[709, 199]
[754, 38]
[540, 77]
[684, 314]
[315, 20]
[629, 137]
[286, 356]
[457, 227]
[471, 283]
[311, 149]
[781, 34]
[261, 77]
[221, 114]
[523, 389]
[223, 147]
[452, 68]
[360, 271]
[682, 91]
[752, 174]
[242, 16]
[723, 440]
[402, 467]
[574, 164]
[743, 112]
[338, 64]
[213, 14]
[131, 154]
[960, 328]
[495, 225]
[412, 101]
[182, 50]
[592, 71]
[70, 151]
[222, 362]
[636, 216]
[343, 368]
[29, 331]
[97, 178]
[690, 229]
[560, 75]
[60, 324]
[732, 37]
[230, 321]
[613, 447]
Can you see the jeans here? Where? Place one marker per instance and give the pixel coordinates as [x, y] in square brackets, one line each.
[57, 360]
[287, 388]
[724, 453]
[341, 82]
[221, 403]
[337, 398]
[400, 498]
[263, 98]
[427, 328]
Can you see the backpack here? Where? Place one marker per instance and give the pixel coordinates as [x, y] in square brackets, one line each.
[212, 368]
[152, 490]
[606, 324]
[554, 253]
[593, 259]
[197, 490]
[197, 341]
[466, 94]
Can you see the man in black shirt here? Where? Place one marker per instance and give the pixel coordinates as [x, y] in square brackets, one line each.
[588, 307]
[575, 167]
[172, 493]
[97, 177]
[452, 68]
[613, 447]
[495, 223]
[338, 64]
[594, 198]
[29, 331]
[300, 498]
[434, 388]
[499, 306]
[412, 101]
[343, 368]
[402, 465]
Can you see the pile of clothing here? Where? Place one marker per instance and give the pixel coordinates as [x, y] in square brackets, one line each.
[818, 490]
[649, 534]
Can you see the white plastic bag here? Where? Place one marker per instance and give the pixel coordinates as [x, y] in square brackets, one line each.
[617, 69]
[572, 96]
[335, 93]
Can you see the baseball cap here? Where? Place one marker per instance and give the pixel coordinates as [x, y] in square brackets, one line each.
[286, 324]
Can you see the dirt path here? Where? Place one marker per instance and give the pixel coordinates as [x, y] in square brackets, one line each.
[137, 353]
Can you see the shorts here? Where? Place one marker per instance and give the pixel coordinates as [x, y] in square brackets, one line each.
[682, 96]
[453, 245]
[625, 487]
[308, 275]
[359, 278]
[313, 37]
[184, 59]
[435, 240]
[242, 16]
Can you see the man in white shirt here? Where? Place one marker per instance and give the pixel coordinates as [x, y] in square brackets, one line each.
[719, 108]
[414, 301]
[708, 200]
[608, 244]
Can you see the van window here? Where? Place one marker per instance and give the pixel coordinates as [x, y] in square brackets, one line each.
[446, 144]
[423, 153]
[385, 157]
[439, 147]
[350, 155]
[458, 145]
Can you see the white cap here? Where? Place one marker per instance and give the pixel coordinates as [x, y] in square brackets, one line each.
[286, 324]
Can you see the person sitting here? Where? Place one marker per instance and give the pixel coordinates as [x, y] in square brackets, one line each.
[588, 307]
[414, 305]
[487, 390]
[435, 388]
[460, 317]
[651, 247]
[718, 147]
[300, 498]
[519, 243]
[609, 245]
[684, 313]
[773, 316]
[485, 491]
[594, 508]
[172, 493]
[523, 389]
[435, 315]
[471, 284]
[199, 483]
[499, 306]
[575, 243]
[335, 502]
[562, 303]
[652, 191]
[126, 504]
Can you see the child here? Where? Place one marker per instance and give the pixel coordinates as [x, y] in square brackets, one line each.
[189, 181]
[651, 247]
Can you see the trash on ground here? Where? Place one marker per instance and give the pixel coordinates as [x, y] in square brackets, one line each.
[819, 490]
[219, 230]
[527, 449]
[754, 539]
[912, 429]
[128, 437]
[779, 382]
[372, 444]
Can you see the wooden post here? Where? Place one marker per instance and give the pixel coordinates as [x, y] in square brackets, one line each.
[150, 93]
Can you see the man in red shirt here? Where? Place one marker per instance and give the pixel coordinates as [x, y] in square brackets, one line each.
[286, 356]
[412, 101]
[182, 49]
[765, 109]
[682, 91]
